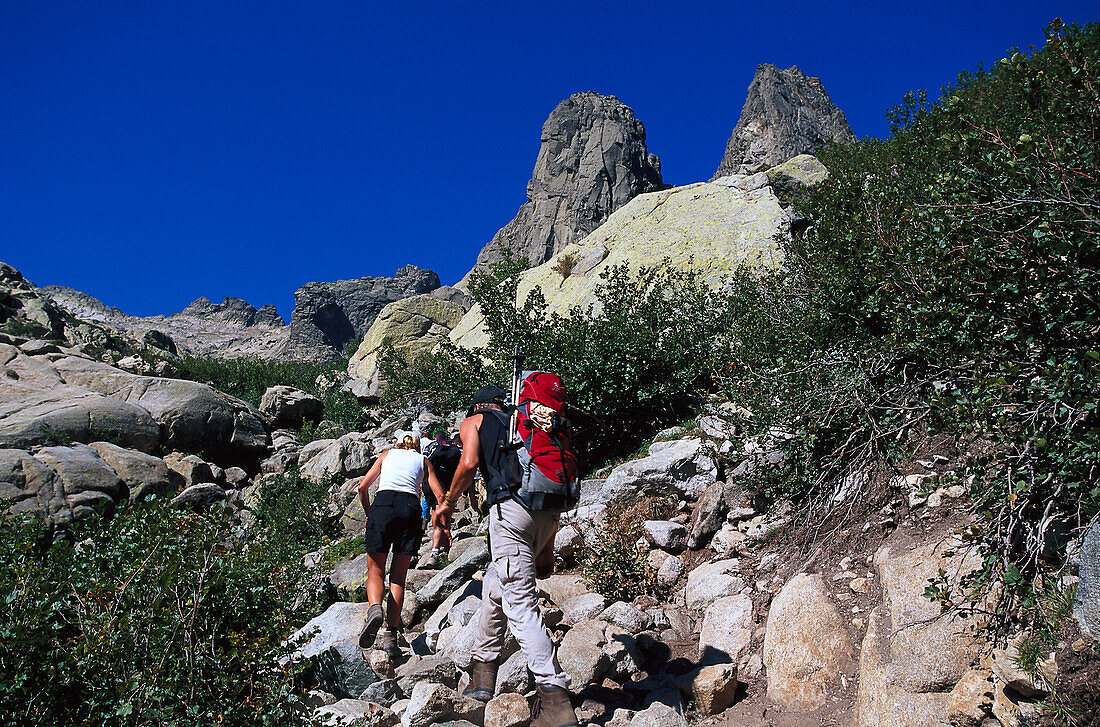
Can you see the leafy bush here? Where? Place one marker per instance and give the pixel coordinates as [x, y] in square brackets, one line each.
[641, 354]
[948, 285]
[159, 616]
[248, 378]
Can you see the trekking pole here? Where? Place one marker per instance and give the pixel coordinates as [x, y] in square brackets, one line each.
[517, 377]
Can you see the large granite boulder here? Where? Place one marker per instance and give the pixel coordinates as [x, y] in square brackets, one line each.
[143, 474]
[411, 327]
[61, 483]
[330, 643]
[786, 113]
[345, 458]
[686, 468]
[33, 413]
[289, 407]
[913, 654]
[711, 228]
[193, 417]
[592, 161]
[806, 647]
[328, 315]
[63, 396]
[1086, 605]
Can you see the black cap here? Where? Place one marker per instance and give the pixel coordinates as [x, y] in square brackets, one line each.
[487, 395]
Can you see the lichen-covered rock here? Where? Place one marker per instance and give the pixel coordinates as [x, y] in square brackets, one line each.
[801, 171]
[409, 327]
[592, 161]
[806, 647]
[711, 229]
[786, 113]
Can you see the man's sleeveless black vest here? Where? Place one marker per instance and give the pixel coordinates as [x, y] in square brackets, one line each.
[499, 466]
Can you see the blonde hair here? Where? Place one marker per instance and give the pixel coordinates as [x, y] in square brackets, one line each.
[409, 442]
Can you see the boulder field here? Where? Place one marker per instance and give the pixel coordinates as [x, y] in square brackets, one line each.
[742, 630]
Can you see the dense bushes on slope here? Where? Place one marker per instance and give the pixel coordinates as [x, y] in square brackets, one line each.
[949, 285]
[158, 616]
[248, 378]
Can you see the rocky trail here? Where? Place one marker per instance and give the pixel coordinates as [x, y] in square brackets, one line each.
[742, 627]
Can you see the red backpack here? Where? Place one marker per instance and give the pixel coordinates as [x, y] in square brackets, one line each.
[546, 433]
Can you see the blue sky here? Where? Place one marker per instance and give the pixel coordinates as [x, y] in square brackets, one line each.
[157, 151]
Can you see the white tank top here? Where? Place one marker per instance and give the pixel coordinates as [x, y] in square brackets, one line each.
[402, 471]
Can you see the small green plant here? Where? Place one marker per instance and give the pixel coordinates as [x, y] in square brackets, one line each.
[342, 550]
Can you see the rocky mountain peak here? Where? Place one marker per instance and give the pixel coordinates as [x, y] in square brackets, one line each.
[786, 113]
[592, 160]
[233, 310]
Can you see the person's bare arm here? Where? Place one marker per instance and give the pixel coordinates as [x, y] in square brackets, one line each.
[467, 465]
[368, 480]
[433, 481]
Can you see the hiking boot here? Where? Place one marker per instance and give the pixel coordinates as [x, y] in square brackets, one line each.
[431, 562]
[552, 708]
[370, 628]
[387, 642]
[483, 680]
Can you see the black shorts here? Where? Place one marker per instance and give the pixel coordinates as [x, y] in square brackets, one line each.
[394, 520]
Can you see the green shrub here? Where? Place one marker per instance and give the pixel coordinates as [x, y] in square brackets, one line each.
[947, 286]
[248, 378]
[158, 616]
[641, 354]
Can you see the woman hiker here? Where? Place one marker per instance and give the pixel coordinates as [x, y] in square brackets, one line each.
[393, 520]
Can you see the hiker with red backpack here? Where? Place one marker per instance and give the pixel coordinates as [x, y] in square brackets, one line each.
[523, 449]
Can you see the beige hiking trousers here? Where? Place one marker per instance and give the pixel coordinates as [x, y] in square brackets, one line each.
[509, 594]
